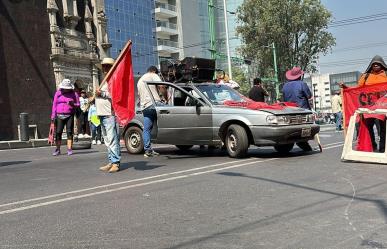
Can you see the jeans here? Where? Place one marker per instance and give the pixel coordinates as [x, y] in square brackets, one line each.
[338, 118]
[95, 132]
[150, 118]
[111, 136]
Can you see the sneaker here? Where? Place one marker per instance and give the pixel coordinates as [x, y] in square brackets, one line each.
[56, 152]
[98, 142]
[81, 136]
[69, 152]
[86, 136]
[106, 167]
[114, 168]
[151, 153]
[93, 142]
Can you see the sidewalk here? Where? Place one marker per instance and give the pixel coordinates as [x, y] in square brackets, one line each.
[16, 144]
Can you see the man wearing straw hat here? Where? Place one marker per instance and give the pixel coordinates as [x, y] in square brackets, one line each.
[109, 125]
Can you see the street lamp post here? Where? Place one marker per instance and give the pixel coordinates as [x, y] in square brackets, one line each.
[227, 41]
[275, 70]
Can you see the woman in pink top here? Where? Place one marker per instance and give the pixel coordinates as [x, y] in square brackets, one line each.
[63, 110]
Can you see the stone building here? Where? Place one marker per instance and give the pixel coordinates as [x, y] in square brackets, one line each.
[41, 43]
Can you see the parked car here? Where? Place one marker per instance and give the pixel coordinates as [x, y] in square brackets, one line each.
[196, 114]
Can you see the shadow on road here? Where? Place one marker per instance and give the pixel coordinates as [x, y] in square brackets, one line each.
[3, 164]
[276, 218]
[264, 152]
[139, 165]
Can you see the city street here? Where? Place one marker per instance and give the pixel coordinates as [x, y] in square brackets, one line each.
[198, 199]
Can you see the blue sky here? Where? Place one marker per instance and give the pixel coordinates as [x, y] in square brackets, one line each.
[370, 35]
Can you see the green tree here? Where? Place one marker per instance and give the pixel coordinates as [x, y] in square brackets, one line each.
[297, 27]
[241, 78]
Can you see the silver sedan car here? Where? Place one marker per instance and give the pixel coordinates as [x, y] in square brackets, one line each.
[196, 114]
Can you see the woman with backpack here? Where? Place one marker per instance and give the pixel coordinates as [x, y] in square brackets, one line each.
[66, 100]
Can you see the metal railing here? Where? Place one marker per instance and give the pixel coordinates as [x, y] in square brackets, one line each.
[167, 43]
[166, 25]
[166, 6]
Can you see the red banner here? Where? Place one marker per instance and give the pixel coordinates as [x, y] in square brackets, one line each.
[121, 87]
[361, 97]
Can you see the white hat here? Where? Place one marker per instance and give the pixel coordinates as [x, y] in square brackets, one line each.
[108, 61]
[66, 84]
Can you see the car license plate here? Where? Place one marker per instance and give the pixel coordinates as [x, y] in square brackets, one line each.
[306, 132]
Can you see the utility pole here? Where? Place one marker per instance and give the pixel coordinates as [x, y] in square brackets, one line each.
[275, 70]
[227, 39]
[211, 21]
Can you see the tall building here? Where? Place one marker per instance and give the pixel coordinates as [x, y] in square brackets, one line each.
[133, 20]
[234, 41]
[321, 92]
[349, 78]
[168, 29]
[196, 33]
[41, 43]
[323, 86]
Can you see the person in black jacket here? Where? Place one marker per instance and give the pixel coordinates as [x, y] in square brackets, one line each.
[257, 92]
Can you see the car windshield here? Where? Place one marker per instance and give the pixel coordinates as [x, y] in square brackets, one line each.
[218, 93]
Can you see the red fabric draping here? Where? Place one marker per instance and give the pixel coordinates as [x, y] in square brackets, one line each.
[362, 97]
[121, 88]
[249, 104]
[371, 97]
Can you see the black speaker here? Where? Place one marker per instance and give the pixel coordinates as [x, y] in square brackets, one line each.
[189, 69]
[198, 69]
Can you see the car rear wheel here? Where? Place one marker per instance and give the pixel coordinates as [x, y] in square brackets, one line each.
[237, 142]
[184, 147]
[133, 140]
[284, 148]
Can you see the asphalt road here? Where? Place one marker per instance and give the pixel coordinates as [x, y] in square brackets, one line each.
[200, 199]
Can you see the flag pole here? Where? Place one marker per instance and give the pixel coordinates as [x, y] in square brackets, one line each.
[115, 64]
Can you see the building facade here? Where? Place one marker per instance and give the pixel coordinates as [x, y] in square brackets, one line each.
[349, 78]
[321, 92]
[78, 40]
[41, 43]
[168, 29]
[133, 20]
[323, 87]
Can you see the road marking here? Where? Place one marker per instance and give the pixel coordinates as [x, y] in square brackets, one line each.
[123, 182]
[245, 162]
[14, 210]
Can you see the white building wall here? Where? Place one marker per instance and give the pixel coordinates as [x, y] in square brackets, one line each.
[321, 92]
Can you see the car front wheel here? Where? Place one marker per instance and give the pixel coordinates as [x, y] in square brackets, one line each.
[133, 140]
[237, 142]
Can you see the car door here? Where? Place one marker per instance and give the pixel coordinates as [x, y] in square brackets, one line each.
[182, 121]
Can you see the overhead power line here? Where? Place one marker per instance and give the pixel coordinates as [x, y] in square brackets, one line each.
[358, 20]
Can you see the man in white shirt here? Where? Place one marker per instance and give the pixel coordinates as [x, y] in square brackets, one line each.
[147, 107]
[337, 109]
[109, 125]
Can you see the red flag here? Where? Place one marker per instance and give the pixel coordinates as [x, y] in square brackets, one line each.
[121, 87]
[361, 97]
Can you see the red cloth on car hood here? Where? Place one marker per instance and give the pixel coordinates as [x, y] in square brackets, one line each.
[249, 104]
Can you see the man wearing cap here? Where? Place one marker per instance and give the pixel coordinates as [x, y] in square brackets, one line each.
[109, 125]
[148, 110]
[297, 91]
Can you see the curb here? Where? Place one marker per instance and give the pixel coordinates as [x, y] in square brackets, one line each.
[33, 143]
